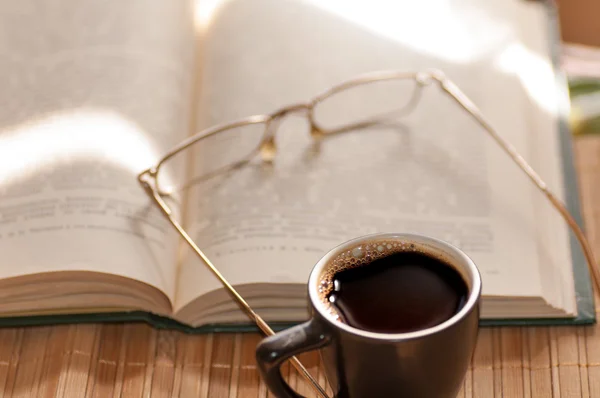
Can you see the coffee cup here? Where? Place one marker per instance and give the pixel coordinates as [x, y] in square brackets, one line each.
[366, 360]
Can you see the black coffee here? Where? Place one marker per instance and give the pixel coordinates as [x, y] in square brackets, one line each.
[401, 292]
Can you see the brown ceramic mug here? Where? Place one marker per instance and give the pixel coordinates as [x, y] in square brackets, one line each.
[428, 363]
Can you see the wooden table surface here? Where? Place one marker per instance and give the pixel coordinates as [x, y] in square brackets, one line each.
[134, 360]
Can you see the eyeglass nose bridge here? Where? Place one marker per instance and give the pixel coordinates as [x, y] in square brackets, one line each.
[301, 108]
[295, 108]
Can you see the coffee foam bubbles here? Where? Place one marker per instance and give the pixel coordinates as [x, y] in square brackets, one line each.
[360, 255]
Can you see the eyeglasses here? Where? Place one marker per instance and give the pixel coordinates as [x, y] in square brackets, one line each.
[238, 142]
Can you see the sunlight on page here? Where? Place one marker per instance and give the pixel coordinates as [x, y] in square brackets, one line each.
[534, 72]
[79, 134]
[460, 34]
[86, 211]
[204, 11]
[442, 30]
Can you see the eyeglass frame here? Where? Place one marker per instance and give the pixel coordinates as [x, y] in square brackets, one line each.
[149, 177]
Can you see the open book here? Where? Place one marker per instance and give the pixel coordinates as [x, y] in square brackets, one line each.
[95, 92]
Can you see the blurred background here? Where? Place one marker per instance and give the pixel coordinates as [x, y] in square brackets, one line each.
[579, 20]
[580, 27]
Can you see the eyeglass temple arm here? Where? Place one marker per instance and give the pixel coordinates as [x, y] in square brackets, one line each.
[148, 181]
[457, 95]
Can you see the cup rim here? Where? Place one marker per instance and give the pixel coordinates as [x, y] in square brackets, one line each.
[472, 301]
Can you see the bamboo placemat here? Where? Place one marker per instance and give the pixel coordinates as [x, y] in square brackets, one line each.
[135, 360]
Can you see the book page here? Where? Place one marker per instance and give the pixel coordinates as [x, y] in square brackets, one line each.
[93, 92]
[433, 171]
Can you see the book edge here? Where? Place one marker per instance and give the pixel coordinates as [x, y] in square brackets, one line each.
[586, 311]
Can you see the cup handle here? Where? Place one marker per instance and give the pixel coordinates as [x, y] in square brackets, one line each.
[274, 350]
